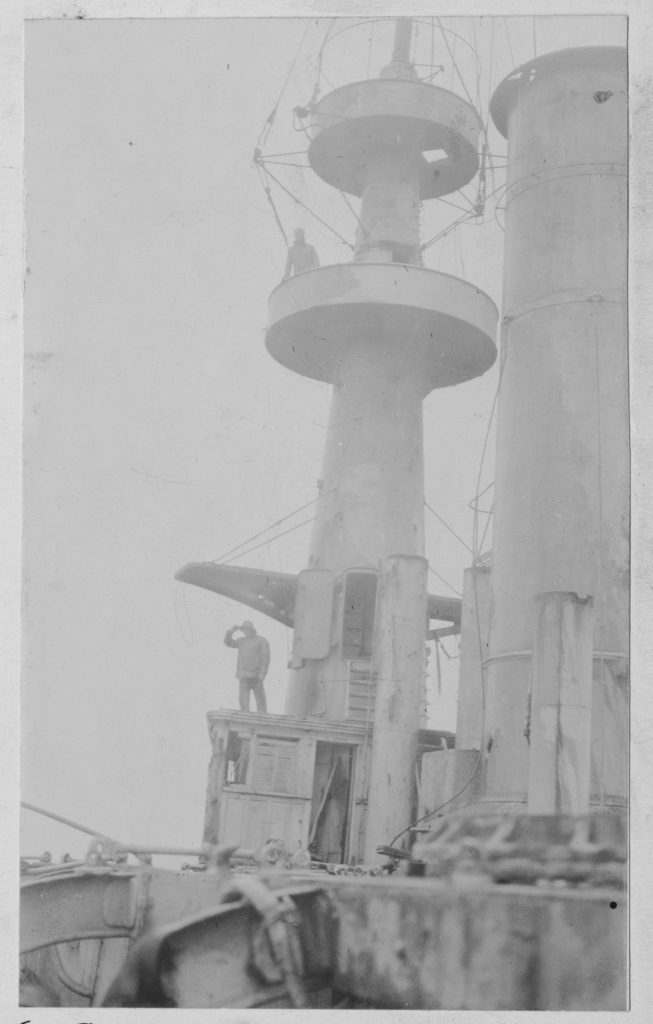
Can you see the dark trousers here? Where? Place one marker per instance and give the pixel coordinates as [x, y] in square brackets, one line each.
[251, 683]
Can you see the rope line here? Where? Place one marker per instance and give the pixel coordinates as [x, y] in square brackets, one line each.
[351, 208]
[264, 543]
[291, 152]
[445, 231]
[318, 64]
[478, 67]
[286, 163]
[263, 174]
[505, 25]
[296, 199]
[453, 60]
[485, 531]
[272, 526]
[265, 130]
[449, 528]
[461, 220]
[472, 205]
[446, 583]
[447, 202]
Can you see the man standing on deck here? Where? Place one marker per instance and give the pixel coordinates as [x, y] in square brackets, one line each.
[252, 665]
[301, 256]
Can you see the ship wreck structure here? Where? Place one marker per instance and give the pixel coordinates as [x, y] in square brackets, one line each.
[403, 866]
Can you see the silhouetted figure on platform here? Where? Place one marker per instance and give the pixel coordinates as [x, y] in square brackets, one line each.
[252, 665]
[301, 256]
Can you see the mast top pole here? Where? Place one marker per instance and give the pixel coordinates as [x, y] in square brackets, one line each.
[402, 40]
[400, 65]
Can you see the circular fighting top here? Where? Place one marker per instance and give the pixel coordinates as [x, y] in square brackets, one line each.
[350, 125]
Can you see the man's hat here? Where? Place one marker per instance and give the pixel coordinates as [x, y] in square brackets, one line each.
[247, 623]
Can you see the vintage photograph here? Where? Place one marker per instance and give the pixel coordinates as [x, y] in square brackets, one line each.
[326, 513]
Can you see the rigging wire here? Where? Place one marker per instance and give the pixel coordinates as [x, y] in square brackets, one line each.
[272, 526]
[445, 231]
[473, 503]
[358, 220]
[446, 582]
[267, 127]
[264, 174]
[451, 32]
[264, 543]
[318, 64]
[291, 152]
[478, 67]
[461, 220]
[358, 24]
[505, 25]
[286, 163]
[263, 177]
[454, 206]
[296, 199]
[462, 255]
[485, 531]
[301, 127]
[439, 68]
[489, 82]
[471, 204]
[446, 43]
[449, 528]
[188, 643]
[452, 65]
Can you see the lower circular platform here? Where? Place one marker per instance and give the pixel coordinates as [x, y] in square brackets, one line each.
[443, 325]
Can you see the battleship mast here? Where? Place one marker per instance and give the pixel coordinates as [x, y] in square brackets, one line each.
[384, 331]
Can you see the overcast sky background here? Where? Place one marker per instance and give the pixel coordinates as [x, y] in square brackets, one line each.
[157, 429]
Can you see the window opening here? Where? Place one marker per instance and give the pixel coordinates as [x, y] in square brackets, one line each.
[237, 760]
[275, 765]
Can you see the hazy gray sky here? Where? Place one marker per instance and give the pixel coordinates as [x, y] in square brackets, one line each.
[157, 429]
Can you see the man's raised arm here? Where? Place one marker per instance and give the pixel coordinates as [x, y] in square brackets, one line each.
[229, 637]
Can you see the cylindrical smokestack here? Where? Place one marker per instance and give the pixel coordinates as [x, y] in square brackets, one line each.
[562, 471]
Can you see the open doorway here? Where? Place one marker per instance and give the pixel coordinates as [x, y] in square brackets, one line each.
[328, 836]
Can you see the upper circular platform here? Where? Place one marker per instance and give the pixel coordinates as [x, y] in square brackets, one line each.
[449, 323]
[517, 82]
[352, 122]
